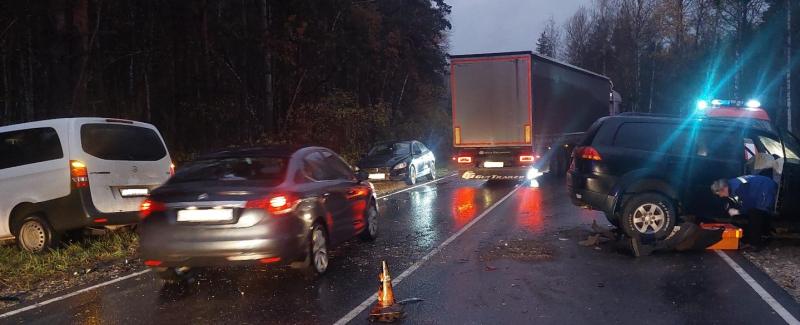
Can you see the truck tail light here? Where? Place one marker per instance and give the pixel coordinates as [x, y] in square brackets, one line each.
[275, 204]
[464, 159]
[457, 135]
[149, 206]
[527, 158]
[587, 153]
[78, 174]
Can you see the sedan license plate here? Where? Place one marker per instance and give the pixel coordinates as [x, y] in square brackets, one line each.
[133, 192]
[493, 164]
[377, 176]
[205, 215]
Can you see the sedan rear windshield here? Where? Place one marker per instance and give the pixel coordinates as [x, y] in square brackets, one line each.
[122, 142]
[233, 169]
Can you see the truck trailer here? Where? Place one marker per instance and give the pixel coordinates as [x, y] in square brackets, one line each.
[518, 114]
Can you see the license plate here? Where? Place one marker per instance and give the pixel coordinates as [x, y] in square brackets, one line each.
[132, 192]
[493, 164]
[377, 176]
[205, 215]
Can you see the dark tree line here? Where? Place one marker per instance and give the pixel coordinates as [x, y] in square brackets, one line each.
[664, 55]
[213, 73]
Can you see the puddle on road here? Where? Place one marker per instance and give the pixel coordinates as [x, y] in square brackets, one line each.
[525, 250]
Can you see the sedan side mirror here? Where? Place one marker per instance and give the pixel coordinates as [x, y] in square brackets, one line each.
[362, 175]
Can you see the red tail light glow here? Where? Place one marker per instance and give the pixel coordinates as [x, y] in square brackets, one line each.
[152, 263]
[464, 159]
[588, 153]
[79, 174]
[149, 206]
[526, 158]
[275, 204]
[171, 169]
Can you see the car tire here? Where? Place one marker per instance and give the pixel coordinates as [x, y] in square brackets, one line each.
[648, 214]
[432, 174]
[411, 178]
[173, 274]
[317, 257]
[34, 234]
[370, 232]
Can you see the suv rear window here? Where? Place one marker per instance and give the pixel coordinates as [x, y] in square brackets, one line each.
[29, 146]
[121, 142]
[651, 137]
[233, 169]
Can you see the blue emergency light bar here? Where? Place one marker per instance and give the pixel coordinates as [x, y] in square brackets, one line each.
[752, 103]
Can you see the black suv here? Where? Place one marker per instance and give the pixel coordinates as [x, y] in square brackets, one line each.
[644, 171]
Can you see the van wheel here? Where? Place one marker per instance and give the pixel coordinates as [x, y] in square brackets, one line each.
[648, 214]
[34, 234]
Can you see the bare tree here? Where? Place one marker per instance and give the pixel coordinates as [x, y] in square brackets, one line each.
[576, 36]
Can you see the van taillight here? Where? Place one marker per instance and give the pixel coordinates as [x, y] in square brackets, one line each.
[171, 169]
[149, 206]
[275, 204]
[587, 153]
[78, 174]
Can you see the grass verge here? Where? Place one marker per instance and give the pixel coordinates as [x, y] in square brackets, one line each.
[21, 271]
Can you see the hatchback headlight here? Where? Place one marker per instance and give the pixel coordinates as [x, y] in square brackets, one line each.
[400, 165]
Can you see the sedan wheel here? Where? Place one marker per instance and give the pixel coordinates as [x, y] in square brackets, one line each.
[319, 250]
[371, 231]
[432, 174]
[412, 176]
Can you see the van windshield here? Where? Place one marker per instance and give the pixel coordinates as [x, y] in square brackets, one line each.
[121, 142]
[233, 169]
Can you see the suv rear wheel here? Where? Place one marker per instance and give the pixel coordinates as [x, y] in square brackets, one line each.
[648, 214]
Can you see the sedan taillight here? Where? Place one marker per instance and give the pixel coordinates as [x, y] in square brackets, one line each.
[149, 206]
[275, 204]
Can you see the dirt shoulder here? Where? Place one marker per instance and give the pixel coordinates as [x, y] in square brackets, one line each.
[781, 261]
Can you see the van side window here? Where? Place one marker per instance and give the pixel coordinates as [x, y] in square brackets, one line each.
[29, 146]
[651, 137]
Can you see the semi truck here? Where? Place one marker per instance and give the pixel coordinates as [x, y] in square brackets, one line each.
[517, 115]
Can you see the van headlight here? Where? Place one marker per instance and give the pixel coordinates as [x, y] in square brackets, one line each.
[400, 165]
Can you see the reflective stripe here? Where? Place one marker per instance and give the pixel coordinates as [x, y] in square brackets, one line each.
[742, 179]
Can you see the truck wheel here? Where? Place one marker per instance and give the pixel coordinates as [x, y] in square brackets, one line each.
[34, 234]
[649, 214]
[411, 179]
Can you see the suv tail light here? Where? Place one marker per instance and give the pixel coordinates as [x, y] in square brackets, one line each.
[275, 204]
[78, 174]
[149, 206]
[464, 159]
[587, 153]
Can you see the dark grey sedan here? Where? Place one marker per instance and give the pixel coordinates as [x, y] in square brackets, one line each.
[265, 205]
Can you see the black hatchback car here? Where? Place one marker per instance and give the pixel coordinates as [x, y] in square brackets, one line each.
[644, 171]
[399, 160]
[264, 205]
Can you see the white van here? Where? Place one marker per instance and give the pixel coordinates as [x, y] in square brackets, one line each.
[65, 174]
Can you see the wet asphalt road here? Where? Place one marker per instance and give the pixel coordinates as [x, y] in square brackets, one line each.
[519, 264]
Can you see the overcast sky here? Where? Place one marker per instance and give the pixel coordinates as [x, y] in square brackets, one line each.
[481, 26]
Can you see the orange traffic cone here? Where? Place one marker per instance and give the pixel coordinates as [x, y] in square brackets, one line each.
[386, 309]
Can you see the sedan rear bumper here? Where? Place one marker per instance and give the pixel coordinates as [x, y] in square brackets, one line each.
[279, 242]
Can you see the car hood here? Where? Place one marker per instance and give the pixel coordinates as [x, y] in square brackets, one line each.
[381, 161]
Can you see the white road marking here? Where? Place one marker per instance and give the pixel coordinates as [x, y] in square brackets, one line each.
[776, 306]
[369, 301]
[415, 186]
[132, 275]
[72, 294]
